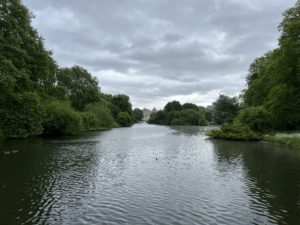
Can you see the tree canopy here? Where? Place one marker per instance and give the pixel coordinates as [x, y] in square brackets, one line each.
[39, 97]
[176, 114]
[274, 79]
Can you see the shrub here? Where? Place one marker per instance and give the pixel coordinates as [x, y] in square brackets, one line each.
[256, 118]
[160, 117]
[102, 113]
[177, 121]
[234, 131]
[61, 118]
[89, 121]
[124, 120]
[21, 115]
[186, 117]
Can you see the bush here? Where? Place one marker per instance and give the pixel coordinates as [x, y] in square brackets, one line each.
[256, 118]
[160, 117]
[61, 118]
[89, 121]
[234, 131]
[124, 120]
[102, 113]
[186, 117]
[177, 121]
[21, 115]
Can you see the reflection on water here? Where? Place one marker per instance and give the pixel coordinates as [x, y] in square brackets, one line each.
[113, 177]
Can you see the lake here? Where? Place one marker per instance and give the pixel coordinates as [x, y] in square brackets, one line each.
[148, 174]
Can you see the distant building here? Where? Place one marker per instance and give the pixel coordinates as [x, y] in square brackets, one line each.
[146, 114]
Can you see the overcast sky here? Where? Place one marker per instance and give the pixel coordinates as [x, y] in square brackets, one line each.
[160, 50]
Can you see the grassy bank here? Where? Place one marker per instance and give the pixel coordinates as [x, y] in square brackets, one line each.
[240, 132]
[289, 139]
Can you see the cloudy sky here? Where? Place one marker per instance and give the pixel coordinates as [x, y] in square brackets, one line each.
[160, 50]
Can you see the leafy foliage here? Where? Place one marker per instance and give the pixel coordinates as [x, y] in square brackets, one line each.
[256, 118]
[30, 81]
[21, 115]
[122, 102]
[171, 106]
[103, 116]
[225, 109]
[124, 119]
[160, 117]
[89, 121]
[234, 131]
[79, 85]
[289, 140]
[137, 114]
[61, 119]
[188, 114]
[274, 79]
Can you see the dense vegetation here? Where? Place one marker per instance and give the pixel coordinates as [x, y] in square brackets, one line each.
[225, 109]
[37, 97]
[272, 97]
[176, 114]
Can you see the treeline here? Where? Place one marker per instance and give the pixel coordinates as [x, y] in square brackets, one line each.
[271, 100]
[176, 114]
[38, 97]
[223, 110]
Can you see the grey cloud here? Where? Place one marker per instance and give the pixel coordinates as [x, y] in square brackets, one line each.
[153, 50]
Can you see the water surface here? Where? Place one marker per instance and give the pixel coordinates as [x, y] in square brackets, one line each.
[113, 177]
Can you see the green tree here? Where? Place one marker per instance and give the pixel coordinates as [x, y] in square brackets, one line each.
[124, 119]
[61, 119]
[81, 87]
[21, 115]
[21, 45]
[160, 117]
[190, 106]
[225, 109]
[122, 102]
[137, 114]
[274, 79]
[102, 113]
[26, 72]
[256, 118]
[174, 105]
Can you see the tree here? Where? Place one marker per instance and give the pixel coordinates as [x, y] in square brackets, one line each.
[124, 119]
[26, 70]
[102, 113]
[80, 86]
[160, 117]
[274, 79]
[190, 106]
[122, 102]
[256, 118]
[61, 119]
[190, 115]
[225, 109]
[21, 115]
[174, 105]
[137, 114]
[21, 45]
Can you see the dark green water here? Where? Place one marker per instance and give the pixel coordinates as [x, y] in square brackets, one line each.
[113, 177]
